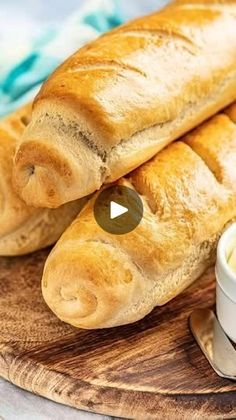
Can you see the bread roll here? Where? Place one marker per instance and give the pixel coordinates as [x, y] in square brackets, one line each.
[93, 279]
[25, 229]
[119, 100]
[231, 112]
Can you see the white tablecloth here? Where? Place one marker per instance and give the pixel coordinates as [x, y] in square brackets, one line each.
[17, 404]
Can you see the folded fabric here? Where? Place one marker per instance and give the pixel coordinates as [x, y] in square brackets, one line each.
[20, 82]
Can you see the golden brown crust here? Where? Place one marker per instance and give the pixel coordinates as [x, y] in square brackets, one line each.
[231, 112]
[13, 210]
[93, 279]
[215, 144]
[121, 81]
[120, 99]
[24, 229]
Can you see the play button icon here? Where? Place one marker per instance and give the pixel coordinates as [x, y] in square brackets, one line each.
[118, 209]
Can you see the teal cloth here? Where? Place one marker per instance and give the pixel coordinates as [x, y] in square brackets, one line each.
[21, 82]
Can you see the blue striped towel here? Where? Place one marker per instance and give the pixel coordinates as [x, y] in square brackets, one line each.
[20, 80]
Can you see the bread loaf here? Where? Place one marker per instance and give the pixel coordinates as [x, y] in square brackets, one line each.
[93, 279]
[122, 98]
[231, 112]
[25, 229]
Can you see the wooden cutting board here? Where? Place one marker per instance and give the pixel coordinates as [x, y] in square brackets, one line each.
[150, 369]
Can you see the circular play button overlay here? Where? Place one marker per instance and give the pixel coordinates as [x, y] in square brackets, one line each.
[118, 210]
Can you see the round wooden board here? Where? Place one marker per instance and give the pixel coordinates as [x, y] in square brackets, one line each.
[150, 369]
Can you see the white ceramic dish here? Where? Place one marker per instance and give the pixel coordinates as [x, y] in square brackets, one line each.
[226, 283]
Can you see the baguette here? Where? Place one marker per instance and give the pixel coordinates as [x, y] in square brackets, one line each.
[24, 229]
[122, 98]
[231, 112]
[93, 279]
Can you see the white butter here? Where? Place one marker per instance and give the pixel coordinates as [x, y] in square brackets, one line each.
[232, 261]
[232, 256]
[226, 281]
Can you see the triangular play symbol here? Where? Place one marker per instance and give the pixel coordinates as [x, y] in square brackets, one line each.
[117, 210]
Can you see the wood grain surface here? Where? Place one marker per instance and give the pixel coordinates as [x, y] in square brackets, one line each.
[150, 369]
